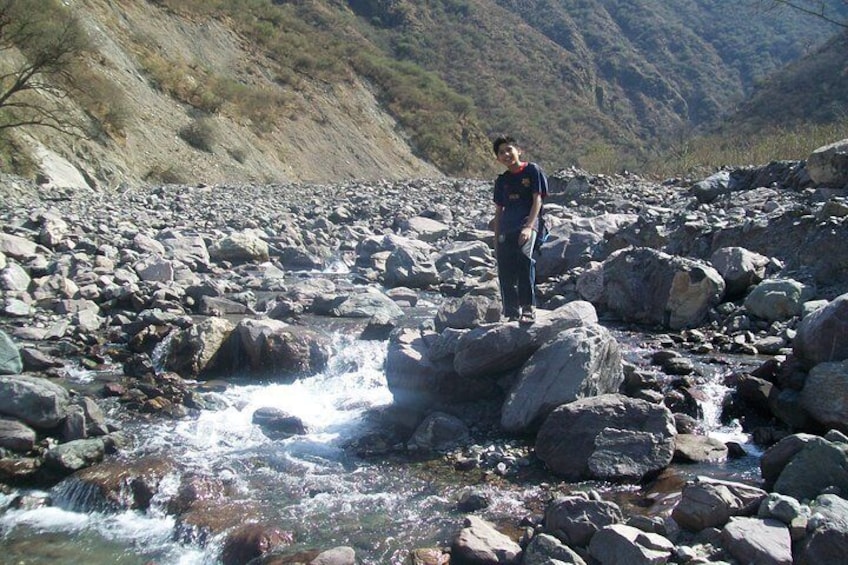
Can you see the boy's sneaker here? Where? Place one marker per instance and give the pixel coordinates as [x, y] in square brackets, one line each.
[528, 315]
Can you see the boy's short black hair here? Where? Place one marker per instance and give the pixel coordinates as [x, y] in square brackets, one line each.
[500, 140]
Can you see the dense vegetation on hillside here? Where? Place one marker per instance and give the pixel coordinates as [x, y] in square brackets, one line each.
[603, 84]
[600, 83]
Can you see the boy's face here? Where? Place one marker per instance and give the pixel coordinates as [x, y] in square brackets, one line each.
[509, 154]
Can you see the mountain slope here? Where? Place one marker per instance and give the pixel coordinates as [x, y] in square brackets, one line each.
[318, 90]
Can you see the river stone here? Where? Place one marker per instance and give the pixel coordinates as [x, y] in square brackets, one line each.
[778, 299]
[710, 188]
[492, 350]
[464, 313]
[647, 286]
[754, 540]
[146, 244]
[35, 401]
[545, 549]
[410, 267]
[19, 248]
[11, 362]
[479, 542]
[690, 448]
[709, 503]
[575, 519]
[367, 304]
[425, 229]
[271, 347]
[190, 250]
[240, 247]
[819, 466]
[827, 532]
[439, 432]
[278, 424]
[14, 278]
[579, 362]
[619, 544]
[463, 255]
[607, 437]
[199, 349]
[251, 541]
[780, 507]
[739, 268]
[825, 395]
[66, 458]
[828, 165]
[823, 334]
[16, 436]
[413, 377]
[342, 555]
[778, 456]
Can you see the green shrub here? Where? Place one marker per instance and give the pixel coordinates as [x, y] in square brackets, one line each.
[201, 134]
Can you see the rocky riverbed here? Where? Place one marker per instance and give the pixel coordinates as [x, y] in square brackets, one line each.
[165, 292]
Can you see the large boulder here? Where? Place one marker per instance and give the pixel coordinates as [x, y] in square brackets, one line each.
[823, 334]
[410, 267]
[579, 362]
[479, 542]
[754, 540]
[827, 532]
[647, 286]
[619, 544]
[778, 299]
[200, 349]
[413, 376]
[35, 401]
[574, 520]
[609, 437]
[274, 348]
[825, 395]
[240, 247]
[819, 466]
[739, 268]
[828, 165]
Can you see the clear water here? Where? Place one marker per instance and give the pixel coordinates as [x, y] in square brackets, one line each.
[309, 486]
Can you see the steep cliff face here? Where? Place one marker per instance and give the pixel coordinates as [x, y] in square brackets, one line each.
[319, 131]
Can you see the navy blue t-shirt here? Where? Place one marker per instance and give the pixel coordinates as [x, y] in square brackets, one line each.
[514, 191]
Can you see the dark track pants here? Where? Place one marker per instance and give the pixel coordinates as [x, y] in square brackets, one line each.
[516, 275]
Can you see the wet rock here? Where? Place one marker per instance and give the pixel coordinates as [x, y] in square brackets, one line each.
[479, 542]
[278, 424]
[67, 458]
[473, 499]
[690, 448]
[365, 303]
[820, 466]
[252, 541]
[439, 432]
[342, 555]
[607, 437]
[116, 484]
[200, 348]
[427, 556]
[465, 313]
[273, 347]
[579, 362]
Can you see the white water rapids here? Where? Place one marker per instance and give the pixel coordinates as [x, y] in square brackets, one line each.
[306, 485]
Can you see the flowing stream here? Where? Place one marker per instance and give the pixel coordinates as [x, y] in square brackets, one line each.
[308, 486]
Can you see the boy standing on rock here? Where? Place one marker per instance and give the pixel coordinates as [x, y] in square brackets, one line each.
[518, 201]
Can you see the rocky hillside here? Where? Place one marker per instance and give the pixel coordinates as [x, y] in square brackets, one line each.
[326, 90]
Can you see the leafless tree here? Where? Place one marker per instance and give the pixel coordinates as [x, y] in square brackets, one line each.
[832, 11]
[41, 42]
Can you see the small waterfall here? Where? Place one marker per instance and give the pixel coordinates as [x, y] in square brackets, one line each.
[160, 352]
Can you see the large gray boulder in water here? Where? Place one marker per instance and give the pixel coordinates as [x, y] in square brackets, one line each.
[823, 334]
[608, 437]
[35, 401]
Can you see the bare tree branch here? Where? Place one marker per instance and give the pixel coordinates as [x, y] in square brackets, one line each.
[818, 8]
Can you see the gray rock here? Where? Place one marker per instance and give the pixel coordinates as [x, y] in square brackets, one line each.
[828, 165]
[574, 520]
[619, 544]
[607, 437]
[11, 362]
[199, 349]
[463, 313]
[270, 347]
[778, 299]
[827, 532]
[819, 466]
[155, 269]
[579, 362]
[825, 395]
[19, 248]
[16, 436]
[341, 555]
[67, 458]
[240, 247]
[709, 503]
[754, 540]
[823, 334]
[739, 268]
[410, 267]
[545, 549]
[651, 287]
[14, 278]
[33, 400]
[425, 229]
[366, 304]
[780, 507]
[479, 542]
[278, 424]
[690, 448]
[439, 432]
